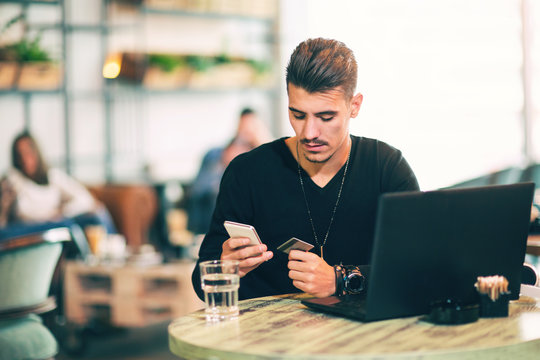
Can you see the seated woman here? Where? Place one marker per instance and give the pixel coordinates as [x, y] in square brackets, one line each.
[44, 194]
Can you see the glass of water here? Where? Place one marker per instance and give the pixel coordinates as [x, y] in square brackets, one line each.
[220, 282]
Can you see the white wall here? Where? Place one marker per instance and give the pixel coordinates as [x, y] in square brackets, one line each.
[441, 79]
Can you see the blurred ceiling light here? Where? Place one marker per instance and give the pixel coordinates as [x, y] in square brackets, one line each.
[111, 68]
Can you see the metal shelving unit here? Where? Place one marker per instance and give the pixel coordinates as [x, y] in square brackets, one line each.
[112, 92]
[204, 15]
[27, 95]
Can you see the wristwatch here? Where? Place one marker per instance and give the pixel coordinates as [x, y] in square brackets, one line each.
[355, 282]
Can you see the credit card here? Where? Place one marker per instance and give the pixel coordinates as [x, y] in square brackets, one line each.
[294, 244]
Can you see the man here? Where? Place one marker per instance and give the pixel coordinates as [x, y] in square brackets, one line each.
[321, 186]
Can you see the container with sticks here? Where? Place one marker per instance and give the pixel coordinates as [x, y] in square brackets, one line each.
[494, 295]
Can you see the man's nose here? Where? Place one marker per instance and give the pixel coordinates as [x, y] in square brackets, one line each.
[311, 128]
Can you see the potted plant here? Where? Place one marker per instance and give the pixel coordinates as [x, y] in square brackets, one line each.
[9, 68]
[34, 68]
[263, 72]
[154, 71]
[166, 71]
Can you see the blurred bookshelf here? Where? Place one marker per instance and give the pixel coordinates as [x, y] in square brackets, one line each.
[228, 75]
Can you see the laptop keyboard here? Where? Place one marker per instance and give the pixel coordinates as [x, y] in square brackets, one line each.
[356, 301]
[353, 306]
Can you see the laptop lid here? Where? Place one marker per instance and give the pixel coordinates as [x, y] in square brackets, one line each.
[433, 245]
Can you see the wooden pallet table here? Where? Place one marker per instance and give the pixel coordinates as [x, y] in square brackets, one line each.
[128, 296]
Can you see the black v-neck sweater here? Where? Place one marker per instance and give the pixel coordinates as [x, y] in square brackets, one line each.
[262, 188]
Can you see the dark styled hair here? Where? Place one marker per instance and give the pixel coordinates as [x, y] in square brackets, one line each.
[40, 177]
[247, 111]
[319, 65]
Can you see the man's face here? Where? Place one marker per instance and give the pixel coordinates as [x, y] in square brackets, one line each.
[321, 121]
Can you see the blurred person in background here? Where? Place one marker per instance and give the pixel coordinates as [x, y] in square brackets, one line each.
[250, 133]
[41, 194]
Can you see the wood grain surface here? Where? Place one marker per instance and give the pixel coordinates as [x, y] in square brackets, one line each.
[281, 327]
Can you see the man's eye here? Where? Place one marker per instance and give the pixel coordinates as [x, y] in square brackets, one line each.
[327, 118]
[299, 117]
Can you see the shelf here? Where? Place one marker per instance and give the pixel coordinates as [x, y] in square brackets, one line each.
[82, 27]
[42, 27]
[24, 2]
[205, 15]
[100, 27]
[122, 88]
[30, 92]
[195, 91]
[140, 90]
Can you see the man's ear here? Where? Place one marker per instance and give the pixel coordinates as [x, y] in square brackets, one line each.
[356, 102]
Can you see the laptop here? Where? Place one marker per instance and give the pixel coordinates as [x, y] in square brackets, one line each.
[431, 246]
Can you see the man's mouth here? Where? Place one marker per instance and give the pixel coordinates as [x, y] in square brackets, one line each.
[313, 147]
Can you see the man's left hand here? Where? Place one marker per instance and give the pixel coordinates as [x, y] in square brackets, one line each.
[311, 274]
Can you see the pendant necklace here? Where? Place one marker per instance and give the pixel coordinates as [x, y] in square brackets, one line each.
[321, 245]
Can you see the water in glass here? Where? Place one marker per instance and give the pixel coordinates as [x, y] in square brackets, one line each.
[221, 295]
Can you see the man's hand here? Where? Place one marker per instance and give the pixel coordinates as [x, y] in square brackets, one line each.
[311, 274]
[250, 256]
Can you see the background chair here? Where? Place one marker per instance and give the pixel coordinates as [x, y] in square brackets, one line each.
[132, 207]
[532, 173]
[27, 264]
[529, 275]
[505, 176]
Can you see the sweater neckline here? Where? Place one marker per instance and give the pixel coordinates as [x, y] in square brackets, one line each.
[291, 162]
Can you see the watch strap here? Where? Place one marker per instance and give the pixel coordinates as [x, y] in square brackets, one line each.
[340, 274]
[353, 271]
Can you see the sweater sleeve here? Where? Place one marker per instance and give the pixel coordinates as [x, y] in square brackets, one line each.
[232, 204]
[396, 173]
[76, 199]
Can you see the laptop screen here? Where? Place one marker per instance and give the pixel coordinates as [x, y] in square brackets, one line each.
[433, 245]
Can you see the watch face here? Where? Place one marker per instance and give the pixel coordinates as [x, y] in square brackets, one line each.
[355, 282]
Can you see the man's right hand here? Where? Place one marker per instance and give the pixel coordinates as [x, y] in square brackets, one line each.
[250, 256]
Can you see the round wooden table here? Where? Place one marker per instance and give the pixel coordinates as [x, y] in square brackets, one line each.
[280, 327]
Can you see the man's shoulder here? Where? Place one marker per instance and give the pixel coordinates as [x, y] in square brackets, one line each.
[370, 144]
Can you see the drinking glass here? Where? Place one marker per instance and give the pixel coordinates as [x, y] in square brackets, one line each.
[220, 282]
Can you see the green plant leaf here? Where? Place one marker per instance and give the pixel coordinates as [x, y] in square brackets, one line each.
[26, 49]
[200, 63]
[166, 62]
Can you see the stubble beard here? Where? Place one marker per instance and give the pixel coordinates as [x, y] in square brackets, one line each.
[315, 161]
[322, 161]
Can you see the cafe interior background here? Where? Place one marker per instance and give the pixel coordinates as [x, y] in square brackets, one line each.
[454, 84]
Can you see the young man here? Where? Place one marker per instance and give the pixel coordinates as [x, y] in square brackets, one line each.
[321, 186]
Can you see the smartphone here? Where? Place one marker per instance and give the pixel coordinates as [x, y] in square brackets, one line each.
[242, 230]
[294, 244]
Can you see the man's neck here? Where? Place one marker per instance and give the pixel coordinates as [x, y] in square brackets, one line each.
[321, 173]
